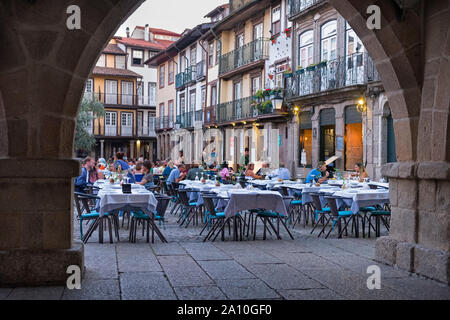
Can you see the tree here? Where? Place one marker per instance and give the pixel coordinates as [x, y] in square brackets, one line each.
[84, 140]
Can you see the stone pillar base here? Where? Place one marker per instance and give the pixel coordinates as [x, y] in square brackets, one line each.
[39, 267]
[431, 263]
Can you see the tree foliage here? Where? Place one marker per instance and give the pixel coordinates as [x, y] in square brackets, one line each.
[84, 140]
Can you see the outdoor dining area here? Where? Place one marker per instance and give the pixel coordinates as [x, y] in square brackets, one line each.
[245, 210]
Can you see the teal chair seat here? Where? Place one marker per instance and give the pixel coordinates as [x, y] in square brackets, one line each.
[345, 213]
[270, 214]
[193, 203]
[380, 213]
[92, 215]
[367, 209]
[297, 202]
[218, 215]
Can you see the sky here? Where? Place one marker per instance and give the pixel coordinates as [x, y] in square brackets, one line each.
[173, 15]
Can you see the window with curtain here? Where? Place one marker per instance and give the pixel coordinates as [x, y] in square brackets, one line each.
[276, 20]
[162, 76]
[328, 42]
[306, 49]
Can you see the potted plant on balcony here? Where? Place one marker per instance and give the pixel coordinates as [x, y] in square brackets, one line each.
[288, 73]
[273, 38]
[287, 31]
[311, 67]
[264, 107]
[300, 70]
[323, 64]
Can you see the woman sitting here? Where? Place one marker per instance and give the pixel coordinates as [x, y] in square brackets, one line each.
[360, 172]
[249, 173]
[147, 180]
[138, 172]
[225, 173]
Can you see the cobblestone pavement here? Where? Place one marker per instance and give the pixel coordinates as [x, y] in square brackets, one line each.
[186, 268]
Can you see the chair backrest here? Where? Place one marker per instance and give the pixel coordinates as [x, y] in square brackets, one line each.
[287, 201]
[285, 191]
[163, 203]
[82, 203]
[316, 201]
[183, 196]
[209, 204]
[333, 206]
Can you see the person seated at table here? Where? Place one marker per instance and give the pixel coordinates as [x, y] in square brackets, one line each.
[82, 181]
[265, 169]
[120, 163]
[225, 172]
[138, 172]
[249, 173]
[147, 180]
[95, 174]
[360, 172]
[319, 175]
[175, 174]
[283, 172]
[167, 170]
[195, 172]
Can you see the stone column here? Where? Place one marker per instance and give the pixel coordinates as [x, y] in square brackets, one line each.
[36, 221]
[102, 148]
[132, 149]
[315, 119]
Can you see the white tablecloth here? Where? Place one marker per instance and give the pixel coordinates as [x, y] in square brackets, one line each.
[112, 199]
[357, 199]
[241, 200]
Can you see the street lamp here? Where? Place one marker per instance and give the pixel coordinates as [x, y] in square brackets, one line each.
[361, 106]
[277, 101]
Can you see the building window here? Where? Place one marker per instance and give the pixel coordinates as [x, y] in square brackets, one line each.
[279, 74]
[126, 124]
[138, 57]
[327, 134]
[152, 93]
[111, 91]
[193, 101]
[151, 122]
[306, 136]
[203, 97]
[213, 95]
[120, 62]
[328, 41]
[161, 115]
[276, 20]
[217, 52]
[306, 49]
[256, 84]
[127, 93]
[170, 105]
[182, 104]
[89, 90]
[193, 56]
[171, 71]
[162, 76]
[101, 61]
[110, 124]
[211, 54]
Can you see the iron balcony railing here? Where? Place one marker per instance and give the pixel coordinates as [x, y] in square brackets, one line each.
[357, 69]
[298, 6]
[238, 110]
[162, 123]
[245, 55]
[184, 78]
[201, 70]
[186, 120]
[118, 99]
[198, 115]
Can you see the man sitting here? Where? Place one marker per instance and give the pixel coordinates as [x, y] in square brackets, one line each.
[283, 172]
[175, 175]
[82, 181]
[195, 172]
[319, 174]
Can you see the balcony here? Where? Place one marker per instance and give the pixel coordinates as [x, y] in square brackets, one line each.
[200, 69]
[126, 131]
[240, 110]
[300, 6]
[148, 131]
[198, 115]
[163, 123]
[355, 70]
[185, 120]
[185, 78]
[117, 99]
[210, 115]
[248, 56]
[146, 101]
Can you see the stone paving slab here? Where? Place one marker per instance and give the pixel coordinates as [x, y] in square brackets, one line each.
[245, 289]
[168, 249]
[38, 293]
[204, 251]
[146, 286]
[200, 293]
[133, 258]
[419, 288]
[100, 262]
[305, 261]
[94, 290]
[225, 269]
[282, 276]
[310, 294]
[183, 271]
[4, 293]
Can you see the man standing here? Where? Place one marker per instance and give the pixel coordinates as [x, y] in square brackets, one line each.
[245, 158]
[82, 181]
[319, 174]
